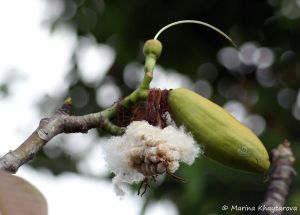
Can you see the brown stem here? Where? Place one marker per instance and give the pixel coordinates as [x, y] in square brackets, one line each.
[281, 179]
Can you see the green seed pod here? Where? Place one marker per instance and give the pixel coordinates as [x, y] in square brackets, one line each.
[224, 139]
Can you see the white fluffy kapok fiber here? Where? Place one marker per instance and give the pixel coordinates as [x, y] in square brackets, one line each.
[145, 150]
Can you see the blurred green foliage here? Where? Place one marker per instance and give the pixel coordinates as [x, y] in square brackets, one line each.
[125, 25]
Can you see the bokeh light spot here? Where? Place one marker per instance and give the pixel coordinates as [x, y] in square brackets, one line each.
[256, 123]
[203, 87]
[287, 56]
[296, 111]
[167, 79]
[93, 60]
[266, 77]
[286, 97]
[229, 58]
[247, 53]
[107, 94]
[133, 74]
[298, 99]
[162, 207]
[237, 109]
[80, 96]
[207, 71]
[290, 9]
[263, 58]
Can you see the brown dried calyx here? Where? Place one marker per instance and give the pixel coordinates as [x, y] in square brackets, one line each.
[156, 107]
[153, 110]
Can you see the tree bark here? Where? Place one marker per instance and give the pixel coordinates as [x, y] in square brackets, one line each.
[281, 178]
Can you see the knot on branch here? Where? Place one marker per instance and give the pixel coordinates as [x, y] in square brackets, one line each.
[53, 126]
[283, 154]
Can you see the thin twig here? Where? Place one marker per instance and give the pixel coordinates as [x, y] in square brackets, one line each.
[281, 179]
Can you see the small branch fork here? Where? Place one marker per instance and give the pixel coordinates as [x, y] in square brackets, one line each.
[63, 122]
[281, 177]
[60, 122]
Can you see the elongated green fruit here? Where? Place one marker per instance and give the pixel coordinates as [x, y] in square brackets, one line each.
[224, 139]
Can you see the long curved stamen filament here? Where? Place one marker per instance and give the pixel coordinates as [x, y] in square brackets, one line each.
[195, 22]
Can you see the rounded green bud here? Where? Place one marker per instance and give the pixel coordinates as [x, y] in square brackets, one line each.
[152, 47]
[224, 139]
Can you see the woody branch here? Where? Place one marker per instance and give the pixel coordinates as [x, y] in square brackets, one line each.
[60, 122]
[281, 178]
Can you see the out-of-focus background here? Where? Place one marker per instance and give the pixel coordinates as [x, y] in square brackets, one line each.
[91, 50]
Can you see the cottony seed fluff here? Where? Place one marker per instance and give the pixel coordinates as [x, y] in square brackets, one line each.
[145, 150]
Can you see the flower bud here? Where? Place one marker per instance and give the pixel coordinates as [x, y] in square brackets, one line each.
[152, 47]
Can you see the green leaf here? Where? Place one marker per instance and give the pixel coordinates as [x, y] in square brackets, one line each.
[17, 196]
